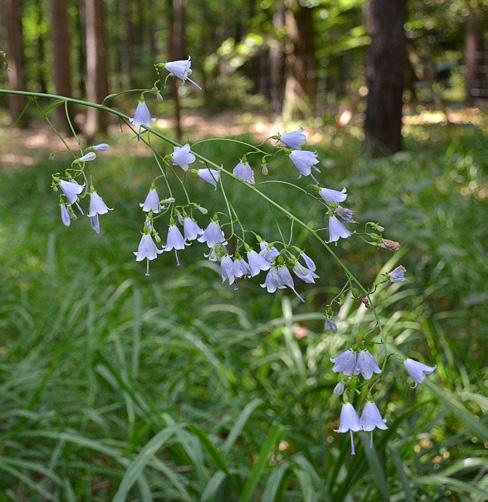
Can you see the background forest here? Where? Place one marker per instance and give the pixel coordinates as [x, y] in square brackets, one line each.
[116, 386]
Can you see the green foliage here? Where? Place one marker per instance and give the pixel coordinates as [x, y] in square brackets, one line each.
[176, 388]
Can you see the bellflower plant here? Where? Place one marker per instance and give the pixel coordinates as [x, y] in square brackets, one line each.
[337, 230]
[345, 362]
[294, 139]
[330, 195]
[268, 252]
[212, 235]
[244, 172]
[97, 207]
[304, 161]
[191, 229]
[142, 117]
[227, 270]
[183, 157]
[418, 371]
[65, 216]
[371, 419]
[147, 250]
[210, 176]
[349, 422]
[174, 241]
[182, 70]
[367, 365]
[398, 274]
[257, 263]
[152, 202]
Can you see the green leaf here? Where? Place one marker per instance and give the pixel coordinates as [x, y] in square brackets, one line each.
[376, 467]
[257, 471]
[240, 423]
[275, 483]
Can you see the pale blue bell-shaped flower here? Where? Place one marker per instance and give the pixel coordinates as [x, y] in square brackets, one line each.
[367, 365]
[345, 214]
[268, 252]
[142, 117]
[71, 190]
[147, 250]
[227, 269]
[418, 371]
[244, 172]
[241, 268]
[398, 274]
[337, 230]
[309, 263]
[294, 139]
[174, 241]
[181, 69]
[211, 176]
[212, 235]
[345, 363]
[304, 273]
[257, 263]
[191, 229]
[97, 205]
[183, 157]
[371, 419]
[304, 160]
[151, 202]
[287, 280]
[95, 223]
[65, 216]
[330, 195]
[272, 280]
[349, 422]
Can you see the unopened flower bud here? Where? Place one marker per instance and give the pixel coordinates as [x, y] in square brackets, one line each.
[339, 389]
[264, 169]
[87, 157]
[388, 244]
[203, 210]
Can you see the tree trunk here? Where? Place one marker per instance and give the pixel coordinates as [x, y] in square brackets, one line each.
[15, 58]
[473, 56]
[277, 60]
[61, 58]
[40, 48]
[385, 75]
[300, 88]
[128, 42]
[177, 50]
[96, 65]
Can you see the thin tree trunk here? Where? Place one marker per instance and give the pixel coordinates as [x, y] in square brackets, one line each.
[473, 56]
[16, 63]
[277, 60]
[385, 75]
[60, 37]
[40, 48]
[128, 42]
[96, 65]
[300, 88]
[177, 50]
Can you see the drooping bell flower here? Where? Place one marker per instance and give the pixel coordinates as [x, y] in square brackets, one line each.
[330, 195]
[174, 240]
[345, 363]
[211, 176]
[294, 139]
[97, 207]
[345, 214]
[272, 281]
[71, 190]
[257, 263]
[152, 202]
[337, 230]
[241, 268]
[191, 229]
[418, 371]
[227, 270]
[65, 216]
[142, 117]
[147, 250]
[367, 365]
[349, 422]
[304, 273]
[371, 419]
[182, 70]
[268, 251]
[244, 172]
[286, 280]
[309, 263]
[183, 157]
[304, 160]
[398, 274]
[212, 235]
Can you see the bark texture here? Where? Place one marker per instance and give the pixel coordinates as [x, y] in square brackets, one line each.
[96, 64]
[385, 75]
[473, 57]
